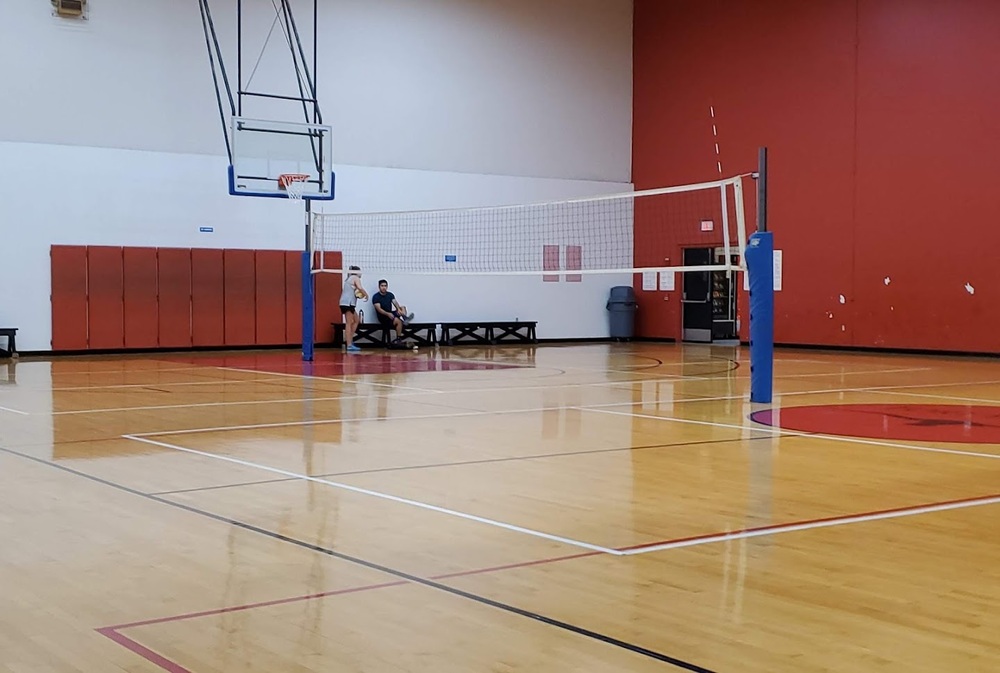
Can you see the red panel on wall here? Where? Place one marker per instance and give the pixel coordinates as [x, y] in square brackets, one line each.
[141, 314]
[928, 153]
[328, 289]
[105, 307]
[574, 262]
[240, 294]
[174, 291]
[270, 302]
[207, 299]
[69, 297]
[797, 97]
[293, 297]
[550, 262]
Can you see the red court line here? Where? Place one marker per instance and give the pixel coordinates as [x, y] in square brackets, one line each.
[845, 518]
[262, 604]
[512, 566]
[143, 651]
[113, 632]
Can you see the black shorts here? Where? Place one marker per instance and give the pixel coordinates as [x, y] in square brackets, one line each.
[387, 320]
[346, 309]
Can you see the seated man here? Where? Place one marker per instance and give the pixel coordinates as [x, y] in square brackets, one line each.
[390, 313]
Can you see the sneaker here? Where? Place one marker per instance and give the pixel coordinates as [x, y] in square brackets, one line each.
[353, 349]
[408, 317]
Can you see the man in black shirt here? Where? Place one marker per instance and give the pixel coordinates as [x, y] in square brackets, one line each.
[388, 310]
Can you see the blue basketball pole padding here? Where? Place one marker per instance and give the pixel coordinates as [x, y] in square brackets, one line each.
[760, 265]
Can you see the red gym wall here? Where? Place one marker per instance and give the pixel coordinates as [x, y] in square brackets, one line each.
[106, 297]
[882, 118]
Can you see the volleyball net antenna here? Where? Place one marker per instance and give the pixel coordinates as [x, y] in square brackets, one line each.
[628, 232]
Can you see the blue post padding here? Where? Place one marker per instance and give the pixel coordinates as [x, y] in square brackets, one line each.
[308, 319]
[760, 265]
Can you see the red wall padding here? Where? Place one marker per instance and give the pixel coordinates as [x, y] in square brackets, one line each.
[207, 298]
[881, 167]
[293, 297]
[105, 309]
[141, 313]
[137, 298]
[328, 289]
[270, 297]
[69, 297]
[240, 295]
[174, 305]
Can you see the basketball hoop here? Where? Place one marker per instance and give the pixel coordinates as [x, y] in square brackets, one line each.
[294, 184]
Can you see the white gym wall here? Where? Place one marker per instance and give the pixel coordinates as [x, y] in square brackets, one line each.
[110, 134]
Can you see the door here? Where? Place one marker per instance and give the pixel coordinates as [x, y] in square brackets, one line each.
[697, 297]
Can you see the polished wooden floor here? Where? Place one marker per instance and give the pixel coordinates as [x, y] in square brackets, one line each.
[560, 508]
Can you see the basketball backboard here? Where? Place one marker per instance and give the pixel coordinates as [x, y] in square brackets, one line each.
[263, 151]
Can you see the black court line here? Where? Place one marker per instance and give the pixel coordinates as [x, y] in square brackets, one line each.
[566, 626]
[459, 463]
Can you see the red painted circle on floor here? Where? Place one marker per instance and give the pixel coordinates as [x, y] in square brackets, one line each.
[914, 422]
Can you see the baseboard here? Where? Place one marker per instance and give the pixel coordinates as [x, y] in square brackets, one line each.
[574, 340]
[160, 351]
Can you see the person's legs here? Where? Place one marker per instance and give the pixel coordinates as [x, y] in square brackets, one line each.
[398, 324]
[345, 315]
[351, 319]
[387, 324]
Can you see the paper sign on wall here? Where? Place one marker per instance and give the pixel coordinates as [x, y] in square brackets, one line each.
[776, 272]
[666, 281]
[648, 280]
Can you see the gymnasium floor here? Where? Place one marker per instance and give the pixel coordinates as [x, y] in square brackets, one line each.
[560, 508]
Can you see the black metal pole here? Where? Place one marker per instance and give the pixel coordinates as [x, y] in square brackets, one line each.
[762, 189]
[239, 57]
[315, 72]
[205, 17]
[310, 80]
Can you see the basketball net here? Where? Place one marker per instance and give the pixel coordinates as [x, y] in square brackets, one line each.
[294, 184]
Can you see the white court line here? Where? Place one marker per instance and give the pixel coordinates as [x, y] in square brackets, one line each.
[777, 432]
[196, 405]
[675, 378]
[15, 411]
[161, 384]
[883, 390]
[867, 389]
[595, 407]
[854, 373]
[330, 421]
[84, 372]
[383, 496]
[340, 379]
[811, 525]
[938, 397]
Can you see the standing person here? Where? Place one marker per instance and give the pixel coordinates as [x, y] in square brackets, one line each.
[390, 313]
[348, 305]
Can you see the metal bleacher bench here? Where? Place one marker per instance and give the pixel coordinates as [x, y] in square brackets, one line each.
[492, 332]
[425, 333]
[11, 350]
[374, 334]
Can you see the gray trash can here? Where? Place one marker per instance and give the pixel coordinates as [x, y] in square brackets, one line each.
[621, 309]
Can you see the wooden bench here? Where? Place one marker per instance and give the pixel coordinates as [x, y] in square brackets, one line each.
[489, 332]
[374, 334]
[10, 333]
